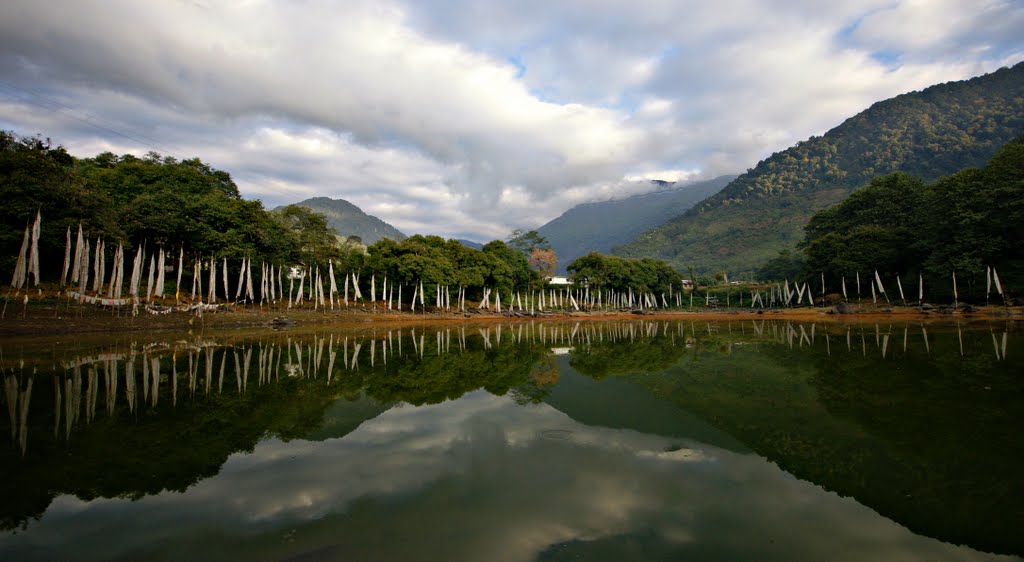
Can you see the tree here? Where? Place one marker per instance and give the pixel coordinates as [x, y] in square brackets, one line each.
[873, 229]
[623, 274]
[314, 240]
[786, 265]
[964, 222]
[155, 200]
[36, 176]
[543, 261]
[527, 241]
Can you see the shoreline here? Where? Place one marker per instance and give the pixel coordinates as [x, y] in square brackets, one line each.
[59, 316]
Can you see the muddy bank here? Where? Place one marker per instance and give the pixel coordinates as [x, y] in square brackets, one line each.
[58, 316]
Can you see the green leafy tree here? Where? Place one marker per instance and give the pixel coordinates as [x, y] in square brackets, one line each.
[36, 176]
[873, 229]
[787, 265]
[623, 274]
[527, 241]
[314, 241]
[965, 222]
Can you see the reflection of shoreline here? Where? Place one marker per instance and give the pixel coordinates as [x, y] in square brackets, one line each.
[203, 365]
[430, 367]
[38, 321]
[561, 334]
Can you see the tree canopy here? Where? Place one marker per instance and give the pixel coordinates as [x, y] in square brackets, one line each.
[155, 200]
[163, 202]
[623, 274]
[898, 225]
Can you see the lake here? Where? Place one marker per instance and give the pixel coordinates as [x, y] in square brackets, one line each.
[641, 440]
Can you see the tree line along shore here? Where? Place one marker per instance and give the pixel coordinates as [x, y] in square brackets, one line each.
[157, 235]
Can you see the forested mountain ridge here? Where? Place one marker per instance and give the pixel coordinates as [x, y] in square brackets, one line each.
[599, 226]
[928, 134]
[350, 220]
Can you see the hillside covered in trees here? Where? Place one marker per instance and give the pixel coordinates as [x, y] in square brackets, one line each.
[349, 220]
[928, 134]
[602, 225]
[598, 227]
[900, 226]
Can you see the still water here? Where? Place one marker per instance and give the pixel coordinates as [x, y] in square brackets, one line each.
[642, 440]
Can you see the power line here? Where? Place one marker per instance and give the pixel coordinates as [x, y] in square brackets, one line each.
[25, 95]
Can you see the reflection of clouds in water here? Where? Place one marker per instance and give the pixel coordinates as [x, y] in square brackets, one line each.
[476, 479]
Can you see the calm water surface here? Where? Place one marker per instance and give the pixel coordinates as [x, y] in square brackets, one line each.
[645, 440]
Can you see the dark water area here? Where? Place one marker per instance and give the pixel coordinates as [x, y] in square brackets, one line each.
[640, 440]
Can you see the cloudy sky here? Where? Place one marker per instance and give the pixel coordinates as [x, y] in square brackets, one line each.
[471, 118]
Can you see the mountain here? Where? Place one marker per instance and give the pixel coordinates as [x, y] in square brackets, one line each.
[350, 220]
[470, 243]
[928, 134]
[597, 227]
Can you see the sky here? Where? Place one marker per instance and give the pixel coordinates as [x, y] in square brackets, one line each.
[471, 118]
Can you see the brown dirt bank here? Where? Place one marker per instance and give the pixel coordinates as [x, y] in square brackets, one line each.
[57, 316]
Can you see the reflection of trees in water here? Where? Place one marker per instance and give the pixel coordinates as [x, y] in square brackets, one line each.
[936, 418]
[914, 421]
[159, 417]
[830, 403]
[545, 371]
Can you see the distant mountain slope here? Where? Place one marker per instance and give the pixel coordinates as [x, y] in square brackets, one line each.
[600, 226]
[470, 243]
[929, 134]
[350, 220]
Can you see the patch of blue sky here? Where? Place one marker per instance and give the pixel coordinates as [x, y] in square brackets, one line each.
[517, 61]
[668, 52]
[845, 35]
[548, 95]
[627, 102]
[889, 59]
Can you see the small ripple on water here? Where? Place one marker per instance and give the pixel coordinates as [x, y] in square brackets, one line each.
[556, 434]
